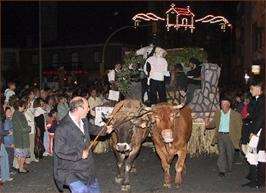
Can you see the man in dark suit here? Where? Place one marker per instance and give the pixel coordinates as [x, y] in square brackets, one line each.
[73, 163]
[257, 117]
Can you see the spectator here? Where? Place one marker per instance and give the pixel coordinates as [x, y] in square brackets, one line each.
[62, 107]
[21, 135]
[10, 91]
[9, 139]
[43, 93]
[50, 103]
[39, 120]
[238, 103]
[4, 164]
[94, 101]
[29, 114]
[51, 126]
[246, 123]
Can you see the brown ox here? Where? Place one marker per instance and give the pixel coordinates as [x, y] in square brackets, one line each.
[172, 126]
[129, 132]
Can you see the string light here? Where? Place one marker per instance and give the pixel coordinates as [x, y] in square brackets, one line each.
[184, 19]
[215, 19]
[146, 17]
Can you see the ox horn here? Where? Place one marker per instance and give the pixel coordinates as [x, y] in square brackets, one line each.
[180, 106]
[147, 108]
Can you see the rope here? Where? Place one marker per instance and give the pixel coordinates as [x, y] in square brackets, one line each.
[89, 145]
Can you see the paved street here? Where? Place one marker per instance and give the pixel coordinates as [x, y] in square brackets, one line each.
[201, 176]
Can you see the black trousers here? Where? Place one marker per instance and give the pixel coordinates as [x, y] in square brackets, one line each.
[157, 87]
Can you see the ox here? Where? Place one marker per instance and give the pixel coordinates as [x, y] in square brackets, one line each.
[130, 129]
[171, 131]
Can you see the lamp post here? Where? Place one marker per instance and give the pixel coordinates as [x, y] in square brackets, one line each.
[40, 45]
[102, 65]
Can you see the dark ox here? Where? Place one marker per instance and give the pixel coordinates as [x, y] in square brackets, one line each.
[130, 130]
[171, 131]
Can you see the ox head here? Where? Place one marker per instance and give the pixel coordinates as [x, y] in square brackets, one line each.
[163, 117]
[128, 133]
[124, 134]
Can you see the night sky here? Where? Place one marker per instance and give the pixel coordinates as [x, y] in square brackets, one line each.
[92, 22]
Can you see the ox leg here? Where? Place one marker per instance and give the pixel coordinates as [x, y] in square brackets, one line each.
[121, 168]
[166, 160]
[128, 167]
[179, 167]
[133, 168]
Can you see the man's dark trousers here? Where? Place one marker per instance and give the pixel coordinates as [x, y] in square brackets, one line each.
[157, 87]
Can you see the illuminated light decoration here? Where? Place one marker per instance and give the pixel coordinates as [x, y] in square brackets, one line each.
[184, 18]
[146, 17]
[215, 19]
[255, 69]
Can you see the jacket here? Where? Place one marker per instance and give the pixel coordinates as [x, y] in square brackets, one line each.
[69, 143]
[258, 120]
[21, 130]
[8, 140]
[235, 126]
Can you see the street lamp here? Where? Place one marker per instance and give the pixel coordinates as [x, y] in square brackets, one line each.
[247, 77]
[255, 69]
[40, 44]
[108, 40]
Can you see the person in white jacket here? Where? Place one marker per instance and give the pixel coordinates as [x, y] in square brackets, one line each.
[156, 77]
[29, 114]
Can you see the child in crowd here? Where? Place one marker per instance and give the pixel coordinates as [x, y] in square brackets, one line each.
[51, 125]
[62, 107]
[9, 139]
[4, 164]
[40, 126]
[10, 91]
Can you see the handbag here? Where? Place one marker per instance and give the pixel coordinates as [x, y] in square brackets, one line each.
[253, 142]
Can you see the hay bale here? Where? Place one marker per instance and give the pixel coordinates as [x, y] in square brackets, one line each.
[201, 140]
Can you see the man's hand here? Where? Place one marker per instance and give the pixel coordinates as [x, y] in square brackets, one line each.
[85, 154]
[109, 129]
[10, 133]
[251, 134]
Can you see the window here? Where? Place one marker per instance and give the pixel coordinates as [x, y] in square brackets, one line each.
[75, 59]
[184, 21]
[34, 59]
[97, 57]
[55, 60]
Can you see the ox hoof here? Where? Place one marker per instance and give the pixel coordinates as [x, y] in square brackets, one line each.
[125, 188]
[118, 180]
[165, 185]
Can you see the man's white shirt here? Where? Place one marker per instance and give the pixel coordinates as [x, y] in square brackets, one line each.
[79, 125]
[158, 68]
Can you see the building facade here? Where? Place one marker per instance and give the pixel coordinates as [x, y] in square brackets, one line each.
[250, 37]
[24, 64]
